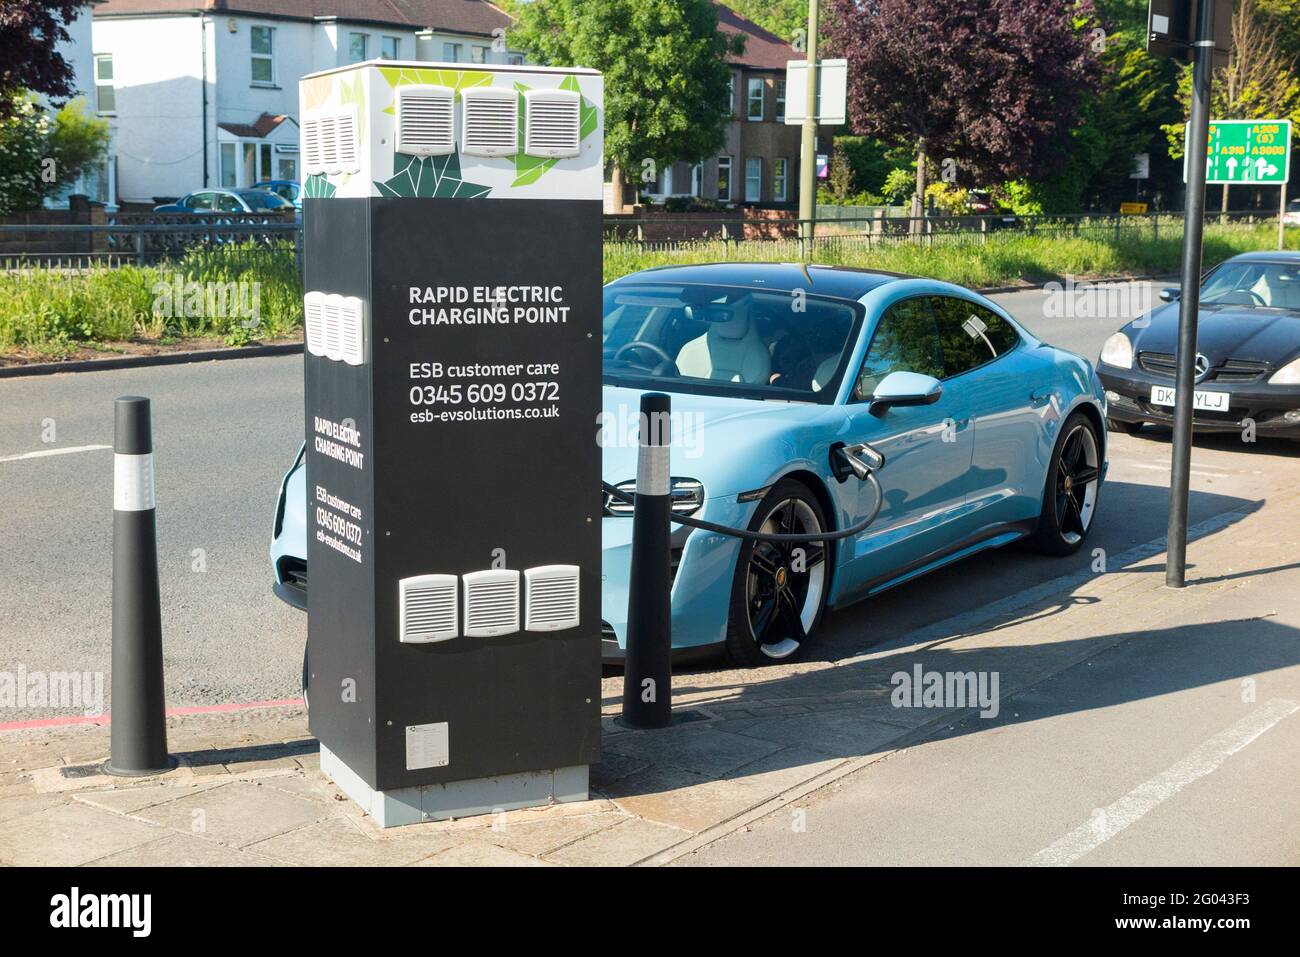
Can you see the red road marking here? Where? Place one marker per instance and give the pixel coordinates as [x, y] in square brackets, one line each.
[102, 719]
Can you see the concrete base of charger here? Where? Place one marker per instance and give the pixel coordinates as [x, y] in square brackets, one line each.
[439, 802]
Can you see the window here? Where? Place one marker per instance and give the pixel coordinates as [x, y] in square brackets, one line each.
[286, 167]
[515, 59]
[390, 48]
[229, 204]
[105, 95]
[780, 179]
[199, 201]
[780, 101]
[753, 179]
[731, 94]
[755, 108]
[970, 334]
[724, 178]
[906, 340]
[229, 173]
[262, 44]
[356, 47]
[451, 52]
[478, 54]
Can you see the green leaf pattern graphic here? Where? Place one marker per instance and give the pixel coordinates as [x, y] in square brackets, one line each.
[318, 187]
[430, 176]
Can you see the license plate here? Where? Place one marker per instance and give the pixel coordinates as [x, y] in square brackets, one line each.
[1202, 400]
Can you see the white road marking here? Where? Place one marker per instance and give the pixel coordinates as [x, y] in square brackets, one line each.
[1132, 807]
[42, 453]
[1204, 472]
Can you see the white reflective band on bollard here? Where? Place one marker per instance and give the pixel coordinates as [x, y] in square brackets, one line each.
[652, 470]
[132, 482]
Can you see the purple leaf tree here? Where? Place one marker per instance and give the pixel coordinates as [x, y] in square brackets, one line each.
[987, 90]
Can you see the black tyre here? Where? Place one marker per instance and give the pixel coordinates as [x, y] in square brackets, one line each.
[778, 597]
[1073, 486]
[1127, 428]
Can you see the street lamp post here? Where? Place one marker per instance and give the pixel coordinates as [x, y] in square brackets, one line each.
[808, 147]
[1189, 302]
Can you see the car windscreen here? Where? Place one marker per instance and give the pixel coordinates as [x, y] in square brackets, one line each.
[1272, 285]
[726, 339]
[262, 199]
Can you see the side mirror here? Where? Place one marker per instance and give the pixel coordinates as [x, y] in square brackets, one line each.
[1169, 294]
[905, 388]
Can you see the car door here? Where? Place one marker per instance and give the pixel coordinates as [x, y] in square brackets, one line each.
[927, 450]
[1004, 399]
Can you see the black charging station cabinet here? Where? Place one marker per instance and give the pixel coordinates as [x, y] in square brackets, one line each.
[452, 388]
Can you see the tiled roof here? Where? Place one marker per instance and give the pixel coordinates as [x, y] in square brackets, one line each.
[457, 16]
[763, 50]
[263, 125]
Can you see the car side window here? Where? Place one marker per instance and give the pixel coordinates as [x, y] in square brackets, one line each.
[971, 335]
[200, 201]
[228, 204]
[906, 340]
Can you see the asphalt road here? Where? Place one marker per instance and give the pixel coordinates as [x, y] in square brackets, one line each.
[226, 431]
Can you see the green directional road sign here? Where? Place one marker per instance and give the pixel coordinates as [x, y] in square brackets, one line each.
[1248, 151]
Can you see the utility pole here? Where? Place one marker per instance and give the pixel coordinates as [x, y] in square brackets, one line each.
[1189, 301]
[808, 148]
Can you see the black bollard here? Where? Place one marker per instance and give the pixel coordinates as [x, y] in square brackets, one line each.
[139, 727]
[647, 670]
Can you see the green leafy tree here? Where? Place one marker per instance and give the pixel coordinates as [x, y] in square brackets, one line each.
[666, 75]
[40, 154]
[1260, 81]
[787, 19]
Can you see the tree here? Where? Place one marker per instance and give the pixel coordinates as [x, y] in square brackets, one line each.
[990, 89]
[787, 19]
[1260, 81]
[30, 33]
[40, 154]
[666, 75]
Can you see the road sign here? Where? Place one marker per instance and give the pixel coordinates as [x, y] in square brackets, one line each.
[1171, 23]
[1132, 209]
[1247, 151]
[1141, 166]
[832, 92]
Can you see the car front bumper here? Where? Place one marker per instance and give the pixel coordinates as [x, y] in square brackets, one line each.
[1274, 410]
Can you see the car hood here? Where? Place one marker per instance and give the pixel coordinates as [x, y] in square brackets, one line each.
[729, 444]
[1224, 332]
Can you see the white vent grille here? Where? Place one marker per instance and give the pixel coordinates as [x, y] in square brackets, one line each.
[313, 314]
[428, 608]
[345, 136]
[551, 598]
[491, 603]
[551, 122]
[311, 156]
[490, 126]
[329, 141]
[426, 124]
[352, 337]
[331, 337]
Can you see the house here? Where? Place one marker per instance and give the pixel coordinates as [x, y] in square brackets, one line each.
[77, 52]
[758, 163]
[205, 92]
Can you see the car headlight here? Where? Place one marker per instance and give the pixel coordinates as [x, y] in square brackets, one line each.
[1117, 351]
[1289, 374]
[687, 495]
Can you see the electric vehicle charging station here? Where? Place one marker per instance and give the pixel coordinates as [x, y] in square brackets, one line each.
[452, 229]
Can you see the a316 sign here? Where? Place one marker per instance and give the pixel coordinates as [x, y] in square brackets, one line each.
[1248, 151]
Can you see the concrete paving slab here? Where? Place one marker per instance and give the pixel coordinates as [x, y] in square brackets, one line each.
[699, 748]
[237, 813]
[127, 800]
[336, 842]
[480, 853]
[69, 835]
[683, 799]
[537, 838]
[182, 850]
[620, 845]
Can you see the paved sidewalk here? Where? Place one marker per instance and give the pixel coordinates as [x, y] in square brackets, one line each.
[248, 790]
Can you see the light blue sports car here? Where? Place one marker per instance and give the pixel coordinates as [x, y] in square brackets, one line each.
[988, 434]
